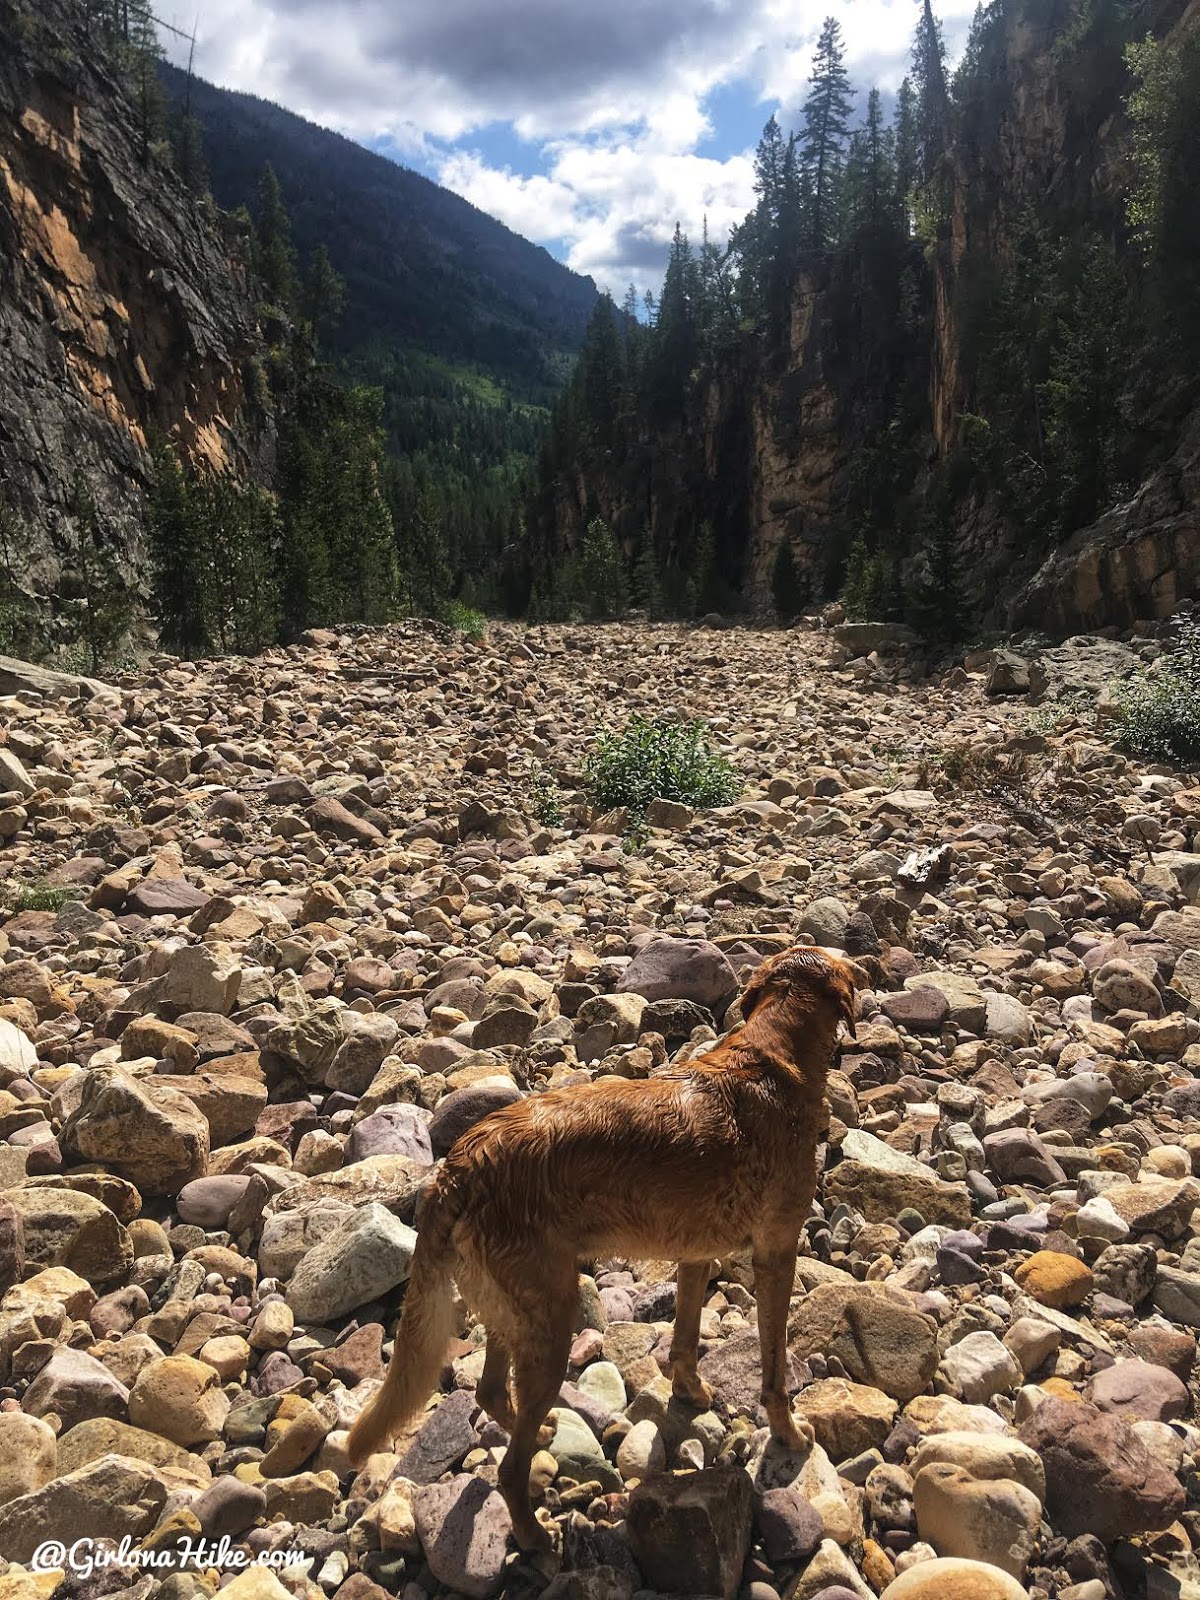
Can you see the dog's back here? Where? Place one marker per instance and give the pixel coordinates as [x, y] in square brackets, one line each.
[676, 1165]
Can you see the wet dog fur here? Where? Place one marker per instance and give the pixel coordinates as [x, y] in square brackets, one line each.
[714, 1156]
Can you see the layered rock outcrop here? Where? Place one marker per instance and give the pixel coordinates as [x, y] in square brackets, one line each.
[126, 312]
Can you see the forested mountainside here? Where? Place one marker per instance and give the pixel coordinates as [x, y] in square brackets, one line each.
[423, 268]
[469, 330]
[948, 369]
[126, 310]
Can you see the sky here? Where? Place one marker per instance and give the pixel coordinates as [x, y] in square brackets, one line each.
[589, 126]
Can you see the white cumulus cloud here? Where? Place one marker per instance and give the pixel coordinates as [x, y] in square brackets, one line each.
[610, 97]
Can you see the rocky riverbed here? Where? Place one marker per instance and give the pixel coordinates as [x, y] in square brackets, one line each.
[280, 929]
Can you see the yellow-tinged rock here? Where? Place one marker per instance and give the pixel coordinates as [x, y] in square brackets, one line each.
[951, 1578]
[1060, 1389]
[302, 1436]
[1054, 1279]
[59, 1284]
[395, 1520]
[18, 1583]
[878, 1567]
[306, 1497]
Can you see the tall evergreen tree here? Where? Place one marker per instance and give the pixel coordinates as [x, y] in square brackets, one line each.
[183, 585]
[870, 170]
[187, 143]
[274, 254]
[1082, 394]
[323, 293]
[674, 346]
[756, 240]
[906, 144]
[932, 119]
[600, 375]
[107, 600]
[825, 133]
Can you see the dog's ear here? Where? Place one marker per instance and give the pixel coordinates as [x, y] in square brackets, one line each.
[752, 995]
[847, 978]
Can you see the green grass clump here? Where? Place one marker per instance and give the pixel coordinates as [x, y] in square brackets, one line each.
[1160, 716]
[19, 897]
[659, 760]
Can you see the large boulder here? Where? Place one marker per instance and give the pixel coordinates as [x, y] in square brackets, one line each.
[1100, 1476]
[154, 1137]
[67, 1228]
[875, 1332]
[108, 1499]
[369, 1255]
[681, 969]
[463, 1526]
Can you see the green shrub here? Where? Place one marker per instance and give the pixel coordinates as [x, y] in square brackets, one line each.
[464, 619]
[658, 760]
[547, 797]
[1160, 716]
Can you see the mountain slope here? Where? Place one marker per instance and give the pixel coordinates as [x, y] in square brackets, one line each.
[422, 266]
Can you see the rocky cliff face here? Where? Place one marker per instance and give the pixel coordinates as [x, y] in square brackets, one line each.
[852, 418]
[1054, 141]
[125, 311]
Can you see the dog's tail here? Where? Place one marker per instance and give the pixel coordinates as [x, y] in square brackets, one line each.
[422, 1337]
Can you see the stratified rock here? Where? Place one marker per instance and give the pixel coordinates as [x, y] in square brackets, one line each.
[154, 1137]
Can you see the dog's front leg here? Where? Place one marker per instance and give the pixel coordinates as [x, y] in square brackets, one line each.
[686, 1383]
[774, 1271]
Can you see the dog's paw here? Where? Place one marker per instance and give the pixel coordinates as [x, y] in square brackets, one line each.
[535, 1534]
[693, 1391]
[794, 1435]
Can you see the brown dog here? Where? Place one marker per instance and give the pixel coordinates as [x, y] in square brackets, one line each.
[697, 1161]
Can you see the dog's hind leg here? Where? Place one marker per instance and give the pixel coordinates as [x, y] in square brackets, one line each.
[686, 1383]
[546, 1316]
[492, 1393]
[774, 1272]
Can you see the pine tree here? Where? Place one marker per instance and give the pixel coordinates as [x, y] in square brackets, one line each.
[426, 575]
[673, 348]
[907, 151]
[274, 255]
[825, 133]
[932, 121]
[19, 623]
[870, 171]
[598, 586]
[647, 581]
[1088, 362]
[701, 595]
[183, 585]
[323, 294]
[599, 375]
[107, 600]
[756, 239]
[188, 146]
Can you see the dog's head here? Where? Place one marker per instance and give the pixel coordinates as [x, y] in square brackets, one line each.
[811, 972]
